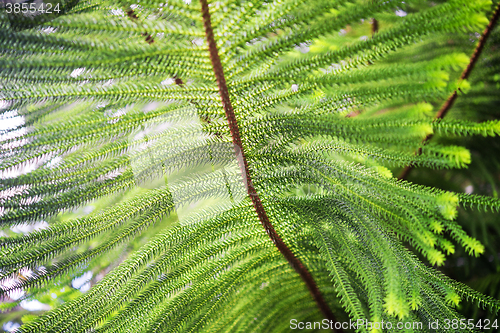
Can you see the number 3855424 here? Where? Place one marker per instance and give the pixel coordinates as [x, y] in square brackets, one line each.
[32, 8]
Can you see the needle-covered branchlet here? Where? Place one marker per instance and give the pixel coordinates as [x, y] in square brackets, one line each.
[238, 147]
[465, 75]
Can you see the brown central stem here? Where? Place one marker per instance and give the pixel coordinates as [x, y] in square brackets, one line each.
[238, 147]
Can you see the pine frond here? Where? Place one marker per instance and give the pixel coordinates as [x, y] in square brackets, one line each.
[228, 166]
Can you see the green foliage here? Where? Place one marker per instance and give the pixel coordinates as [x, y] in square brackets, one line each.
[124, 151]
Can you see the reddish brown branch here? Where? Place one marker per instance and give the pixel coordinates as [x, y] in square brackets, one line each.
[131, 14]
[238, 147]
[374, 26]
[465, 74]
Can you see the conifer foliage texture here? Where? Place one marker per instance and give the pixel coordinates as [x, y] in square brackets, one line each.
[228, 165]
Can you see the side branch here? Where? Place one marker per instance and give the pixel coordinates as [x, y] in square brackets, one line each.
[238, 147]
[374, 26]
[133, 16]
[465, 74]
